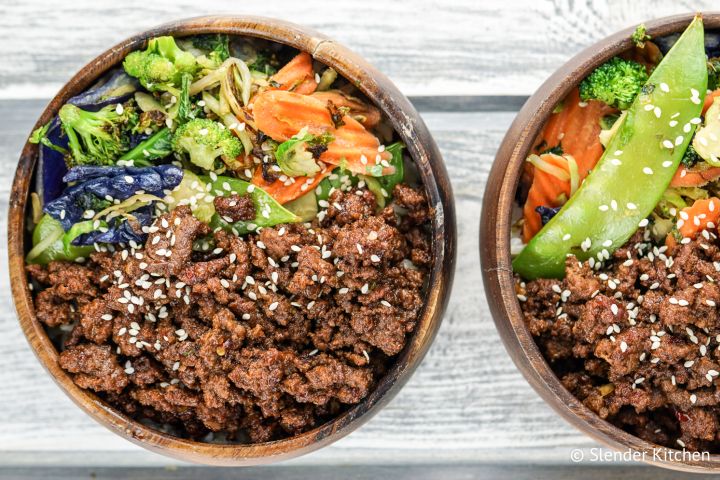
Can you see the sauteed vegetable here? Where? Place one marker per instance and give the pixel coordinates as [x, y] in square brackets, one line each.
[225, 245]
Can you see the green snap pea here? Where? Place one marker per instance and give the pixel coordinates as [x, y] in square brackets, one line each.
[636, 168]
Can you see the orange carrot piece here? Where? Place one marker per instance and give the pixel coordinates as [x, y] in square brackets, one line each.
[366, 114]
[670, 242]
[283, 193]
[694, 178]
[703, 212]
[297, 75]
[355, 148]
[281, 115]
[576, 128]
[709, 99]
[546, 190]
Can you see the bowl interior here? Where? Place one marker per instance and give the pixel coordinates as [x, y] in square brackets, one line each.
[498, 203]
[408, 126]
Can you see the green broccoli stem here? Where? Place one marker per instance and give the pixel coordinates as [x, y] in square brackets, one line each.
[159, 145]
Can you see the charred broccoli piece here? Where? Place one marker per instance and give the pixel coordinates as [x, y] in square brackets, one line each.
[97, 138]
[616, 83]
[161, 66]
[205, 141]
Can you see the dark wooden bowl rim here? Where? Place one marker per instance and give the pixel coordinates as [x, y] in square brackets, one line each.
[421, 147]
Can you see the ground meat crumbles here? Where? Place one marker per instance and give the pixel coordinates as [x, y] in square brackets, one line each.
[259, 337]
[637, 339]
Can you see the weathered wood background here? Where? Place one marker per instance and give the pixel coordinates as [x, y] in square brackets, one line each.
[467, 64]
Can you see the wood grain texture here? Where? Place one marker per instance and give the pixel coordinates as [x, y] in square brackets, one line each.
[427, 47]
[466, 401]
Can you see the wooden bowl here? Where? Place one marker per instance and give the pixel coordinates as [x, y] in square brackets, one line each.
[410, 128]
[495, 245]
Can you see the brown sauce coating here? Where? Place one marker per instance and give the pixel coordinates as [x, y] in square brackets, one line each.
[638, 340]
[259, 338]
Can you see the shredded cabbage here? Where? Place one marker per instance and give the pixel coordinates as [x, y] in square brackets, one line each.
[546, 167]
[574, 173]
[124, 208]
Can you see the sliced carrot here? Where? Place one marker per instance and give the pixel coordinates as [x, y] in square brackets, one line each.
[366, 114]
[670, 242]
[576, 128]
[281, 115]
[297, 75]
[704, 213]
[694, 178]
[709, 99]
[287, 190]
[546, 190]
[355, 148]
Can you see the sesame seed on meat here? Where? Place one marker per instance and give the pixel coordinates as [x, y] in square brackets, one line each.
[259, 337]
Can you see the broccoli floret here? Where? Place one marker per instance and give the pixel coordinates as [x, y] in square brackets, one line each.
[640, 36]
[97, 138]
[204, 141]
[713, 66]
[616, 83]
[161, 65]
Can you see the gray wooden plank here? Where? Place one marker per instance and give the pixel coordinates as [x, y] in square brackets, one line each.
[352, 472]
[428, 47]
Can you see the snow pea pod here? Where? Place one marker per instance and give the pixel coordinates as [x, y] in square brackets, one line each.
[269, 211]
[51, 242]
[635, 170]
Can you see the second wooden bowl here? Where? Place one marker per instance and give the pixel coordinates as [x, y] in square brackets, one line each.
[495, 247]
[420, 145]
